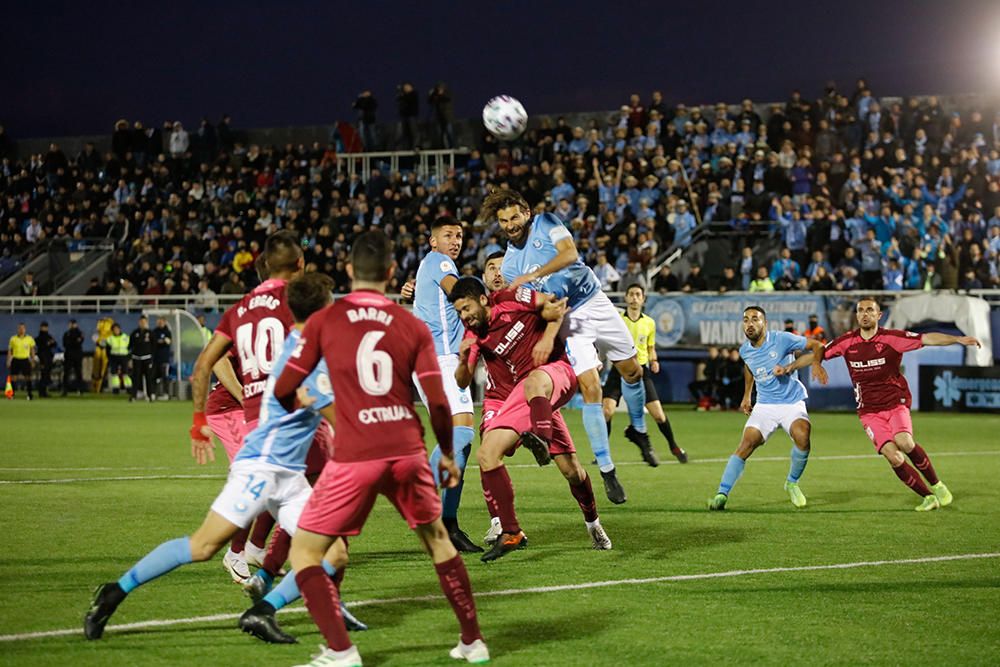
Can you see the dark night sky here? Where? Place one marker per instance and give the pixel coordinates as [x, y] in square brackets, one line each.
[74, 68]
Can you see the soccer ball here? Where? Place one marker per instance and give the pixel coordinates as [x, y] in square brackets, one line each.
[505, 117]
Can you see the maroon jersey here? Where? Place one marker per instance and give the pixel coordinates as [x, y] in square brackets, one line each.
[372, 348]
[874, 366]
[514, 328]
[220, 401]
[257, 325]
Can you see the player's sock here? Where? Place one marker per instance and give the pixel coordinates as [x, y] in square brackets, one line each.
[499, 494]
[635, 398]
[799, 460]
[668, 432]
[541, 417]
[609, 428]
[287, 591]
[277, 552]
[261, 529]
[28, 384]
[584, 494]
[435, 458]
[164, 558]
[239, 541]
[734, 468]
[923, 463]
[594, 425]
[450, 498]
[458, 589]
[909, 476]
[323, 603]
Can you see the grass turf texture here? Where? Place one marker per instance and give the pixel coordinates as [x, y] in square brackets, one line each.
[61, 540]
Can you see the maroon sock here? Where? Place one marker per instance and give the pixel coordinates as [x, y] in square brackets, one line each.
[323, 603]
[277, 552]
[541, 417]
[239, 541]
[458, 589]
[499, 494]
[584, 494]
[909, 476]
[261, 529]
[920, 459]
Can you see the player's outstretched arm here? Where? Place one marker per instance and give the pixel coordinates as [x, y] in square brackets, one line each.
[566, 254]
[936, 339]
[813, 358]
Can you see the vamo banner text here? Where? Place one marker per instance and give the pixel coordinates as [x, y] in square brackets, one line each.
[718, 319]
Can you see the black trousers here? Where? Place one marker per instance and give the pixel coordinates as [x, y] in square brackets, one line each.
[45, 375]
[142, 369]
[72, 365]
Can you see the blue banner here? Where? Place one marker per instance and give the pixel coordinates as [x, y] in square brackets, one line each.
[689, 319]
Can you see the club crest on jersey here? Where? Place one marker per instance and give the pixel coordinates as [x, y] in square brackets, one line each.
[773, 354]
[536, 244]
[879, 347]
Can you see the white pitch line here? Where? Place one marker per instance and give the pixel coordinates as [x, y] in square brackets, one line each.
[213, 618]
[756, 459]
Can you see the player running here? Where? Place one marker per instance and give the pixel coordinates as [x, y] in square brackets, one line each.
[781, 402]
[643, 332]
[534, 378]
[372, 348]
[435, 277]
[255, 328]
[541, 252]
[267, 475]
[873, 355]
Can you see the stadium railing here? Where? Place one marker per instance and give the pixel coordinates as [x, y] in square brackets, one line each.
[429, 164]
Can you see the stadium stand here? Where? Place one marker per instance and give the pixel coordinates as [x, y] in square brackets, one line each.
[847, 191]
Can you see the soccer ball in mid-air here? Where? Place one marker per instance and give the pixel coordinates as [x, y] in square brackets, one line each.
[505, 117]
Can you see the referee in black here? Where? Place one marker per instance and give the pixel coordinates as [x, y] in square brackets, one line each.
[141, 349]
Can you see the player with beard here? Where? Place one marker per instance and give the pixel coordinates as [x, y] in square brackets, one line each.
[781, 402]
[873, 355]
[534, 378]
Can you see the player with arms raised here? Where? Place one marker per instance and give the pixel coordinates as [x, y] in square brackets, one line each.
[542, 252]
[873, 355]
[781, 403]
[435, 277]
[372, 348]
[513, 337]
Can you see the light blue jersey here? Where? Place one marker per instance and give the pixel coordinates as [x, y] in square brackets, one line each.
[776, 349]
[282, 438]
[431, 304]
[576, 281]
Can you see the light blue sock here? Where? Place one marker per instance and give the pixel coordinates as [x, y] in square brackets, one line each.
[164, 558]
[635, 398]
[462, 437]
[597, 433]
[734, 468]
[287, 591]
[799, 460]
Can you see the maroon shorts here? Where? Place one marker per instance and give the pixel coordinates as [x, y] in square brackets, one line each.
[228, 428]
[321, 449]
[882, 427]
[345, 493]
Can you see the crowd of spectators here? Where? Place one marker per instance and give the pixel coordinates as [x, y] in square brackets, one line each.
[855, 195]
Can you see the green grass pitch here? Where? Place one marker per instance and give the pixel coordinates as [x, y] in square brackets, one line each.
[61, 539]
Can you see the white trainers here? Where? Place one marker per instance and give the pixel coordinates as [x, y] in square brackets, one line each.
[600, 538]
[476, 652]
[493, 534]
[236, 566]
[329, 658]
[254, 555]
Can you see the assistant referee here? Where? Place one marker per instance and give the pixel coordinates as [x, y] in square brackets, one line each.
[20, 354]
[643, 330]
